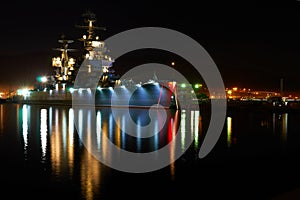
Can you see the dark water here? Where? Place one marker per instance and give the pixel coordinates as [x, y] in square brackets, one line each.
[43, 155]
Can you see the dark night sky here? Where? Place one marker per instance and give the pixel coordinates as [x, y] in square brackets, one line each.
[253, 44]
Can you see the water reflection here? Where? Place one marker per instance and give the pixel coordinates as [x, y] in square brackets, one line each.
[62, 142]
[229, 131]
[284, 127]
[195, 118]
[25, 121]
[64, 150]
[280, 126]
[260, 125]
[44, 130]
[90, 176]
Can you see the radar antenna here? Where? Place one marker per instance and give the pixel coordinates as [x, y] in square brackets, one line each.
[90, 19]
[65, 43]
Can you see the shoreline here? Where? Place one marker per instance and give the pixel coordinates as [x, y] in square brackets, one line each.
[204, 107]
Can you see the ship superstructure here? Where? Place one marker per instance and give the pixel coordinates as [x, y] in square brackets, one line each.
[98, 63]
[64, 65]
[92, 70]
[94, 59]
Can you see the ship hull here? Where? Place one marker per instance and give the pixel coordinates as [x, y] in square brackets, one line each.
[145, 96]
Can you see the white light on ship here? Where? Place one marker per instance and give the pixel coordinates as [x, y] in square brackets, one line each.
[96, 43]
[56, 61]
[104, 78]
[24, 92]
[71, 90]
[44, 79]
[105, 69]
[71, 61]
[97, 37]
[84, 37]
[118, 82]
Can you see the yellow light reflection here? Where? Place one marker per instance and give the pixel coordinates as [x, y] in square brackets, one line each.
[62, 142]
[88, 142]
[56, 146]
[70, 144]
[229, 131]
[104, 140]
[118, 133]
[89, 175]
[284, 127]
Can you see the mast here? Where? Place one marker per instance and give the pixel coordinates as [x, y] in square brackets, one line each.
[64, 65]
[95, 50]
[89, 20]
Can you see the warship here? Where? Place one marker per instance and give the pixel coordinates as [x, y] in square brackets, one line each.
[65, 85]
